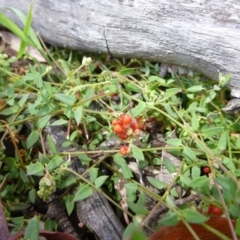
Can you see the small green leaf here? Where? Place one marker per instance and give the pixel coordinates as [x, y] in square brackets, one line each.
[100, 181]
[10, 110]
[35, 169]
[175, 142]
[170, 166]
[69, 203]
[43, 159]
[87, 97]
[223, 181]
[238, 142]
[170, 219]
[170, 201]
[68, 112]
[10, 92]
[131, 190]
[54, 163]
[189, 154]
[234, 210]
[32, 230]
[222, 143]
[136, 208]
[142, 199]
[44, 110]
[157, 183]
[50, 225]
[185, 180]
[127, 174]
[23, 176]
[48, 88]
[69, 100]
[18, 222]
[84, 158]
[133, 231]
[174, 193]
[196, 171]
[32, 138]
[78, 114]
[32, 109]
[212, 94]
[65, 67]
[197, 88]
[68, 182]
[193, 216]
[127, 71]
[135, 112]
[32, 195]
[117, 158]
[223, 80]
[132, 87]
[200, 182]
[194, 122]
[66, 144]
[169, 110]
[171, 91]
[137, 153]
[51, 144]
[23, 100]
[19, 206]
[73, 135]
[59, 122]
[93, 172]
[83, 192]
[157, 79]
[208, 131]
[42, 122]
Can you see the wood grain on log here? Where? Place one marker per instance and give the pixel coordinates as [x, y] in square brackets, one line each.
[199, 34]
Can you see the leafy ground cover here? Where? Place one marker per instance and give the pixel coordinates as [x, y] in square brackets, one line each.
[126, 101]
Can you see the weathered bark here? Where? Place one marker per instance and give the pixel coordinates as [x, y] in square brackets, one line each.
[202, 35]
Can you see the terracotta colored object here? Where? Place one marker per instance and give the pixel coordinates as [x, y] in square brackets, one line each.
[180, 232]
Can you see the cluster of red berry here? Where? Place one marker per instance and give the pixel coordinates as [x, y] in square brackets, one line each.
[127, 126]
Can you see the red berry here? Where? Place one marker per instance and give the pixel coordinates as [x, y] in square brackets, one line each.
[206, 169]
[126, 119]
[141, 126]
[217, 211]
[137, 132]
[121, 119]
[210, 208]
[123, 135]
[140, 123]
[117, 128]
[124, 150]
[134, 125]
[114, 122]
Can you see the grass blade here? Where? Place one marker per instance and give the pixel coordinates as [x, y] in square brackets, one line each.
[9, 24]
[24, 20]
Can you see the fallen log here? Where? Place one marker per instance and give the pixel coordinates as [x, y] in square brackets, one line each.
[201, 35]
